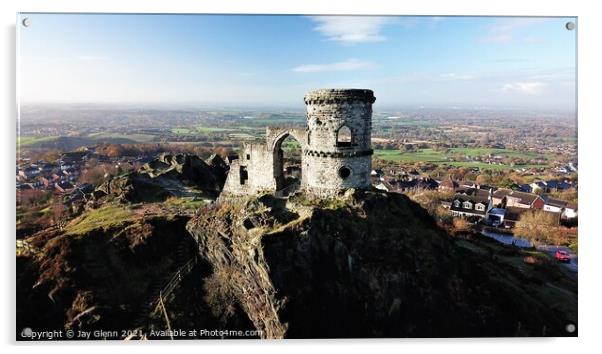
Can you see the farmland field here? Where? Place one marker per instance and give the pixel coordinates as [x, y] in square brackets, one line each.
[34, 140]
[441, 157]
[109, 136]
[497, 152]
[197, 130]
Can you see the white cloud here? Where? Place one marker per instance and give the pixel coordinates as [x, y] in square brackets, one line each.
[351, 29]
[347, 65]
[508, 30]
[524, 87]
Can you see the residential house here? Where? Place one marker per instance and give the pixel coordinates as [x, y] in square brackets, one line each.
[71, 174]
[467, 184]
[570, 212]
[421, 183]
[525, 188]
[46, 182]
[512, 215]
[559, 185]
[524, 200]
[471, 206]
[29, 172]
[539, 187]
[413, 174]
[377, 173]
[48, 167]
[448, 185]
[495, 216]
[63, 187]
[566, 209]
[499, 196]
[67, 166]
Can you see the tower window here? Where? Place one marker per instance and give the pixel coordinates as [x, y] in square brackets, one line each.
[344, 137]
[344, 172]
[244, 175]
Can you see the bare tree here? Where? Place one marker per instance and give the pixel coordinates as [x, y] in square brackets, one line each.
[540, 227]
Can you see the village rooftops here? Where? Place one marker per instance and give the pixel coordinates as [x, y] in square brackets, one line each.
[525, 198]
[560, 203]
[501, 193]
[522, 197]
[497, 211]
[480, 193]
[448, 184]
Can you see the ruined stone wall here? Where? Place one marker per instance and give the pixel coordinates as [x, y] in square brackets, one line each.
[258, 162]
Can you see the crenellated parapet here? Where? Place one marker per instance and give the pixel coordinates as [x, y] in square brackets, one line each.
[339, 96]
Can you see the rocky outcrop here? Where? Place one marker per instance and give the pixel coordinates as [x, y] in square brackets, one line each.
[364, 264]
[103, 278]
[167, 176]
[369, 264]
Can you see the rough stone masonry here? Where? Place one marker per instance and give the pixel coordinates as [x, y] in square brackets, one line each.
[336, 152]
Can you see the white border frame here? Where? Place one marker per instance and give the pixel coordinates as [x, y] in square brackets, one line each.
[589, 27]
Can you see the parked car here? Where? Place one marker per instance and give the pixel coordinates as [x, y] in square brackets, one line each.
[562, 256]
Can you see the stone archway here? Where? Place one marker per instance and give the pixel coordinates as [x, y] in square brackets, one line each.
[275, 139]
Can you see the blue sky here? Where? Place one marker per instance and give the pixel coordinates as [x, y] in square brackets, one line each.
[274, 60]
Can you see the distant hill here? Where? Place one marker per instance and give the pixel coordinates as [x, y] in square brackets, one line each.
[68, 143]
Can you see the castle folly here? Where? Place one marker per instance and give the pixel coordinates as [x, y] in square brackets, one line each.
[336, 151]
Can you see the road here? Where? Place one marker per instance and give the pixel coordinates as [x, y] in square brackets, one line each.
[550, 250]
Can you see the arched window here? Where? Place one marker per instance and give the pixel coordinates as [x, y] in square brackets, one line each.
[344, 137]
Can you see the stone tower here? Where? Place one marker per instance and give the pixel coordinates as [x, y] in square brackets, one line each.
[335, 147]
[338, 150]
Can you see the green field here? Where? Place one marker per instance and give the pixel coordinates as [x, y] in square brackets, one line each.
[34, 140]
[201, 130]
[241, 136]
[501, 152]
[139, 138]
[440, 157]
[423, 155]
[183, 131]
[214, 129]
